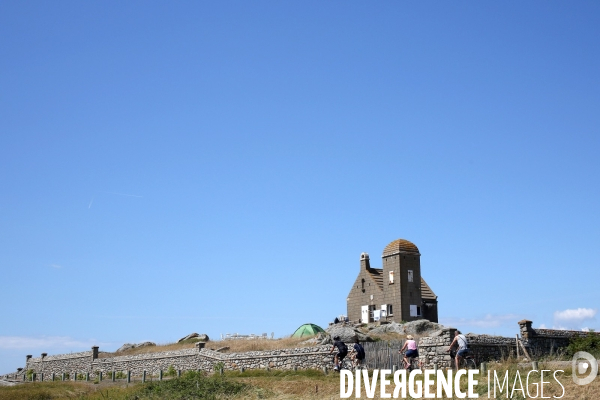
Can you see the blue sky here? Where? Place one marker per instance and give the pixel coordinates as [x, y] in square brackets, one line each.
[169, 168]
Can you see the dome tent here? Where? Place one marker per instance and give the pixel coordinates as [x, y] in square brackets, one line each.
[307, 330]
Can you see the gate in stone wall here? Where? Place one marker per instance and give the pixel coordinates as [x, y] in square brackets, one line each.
[383, 354]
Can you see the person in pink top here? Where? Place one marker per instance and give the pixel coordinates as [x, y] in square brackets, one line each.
[411, 350]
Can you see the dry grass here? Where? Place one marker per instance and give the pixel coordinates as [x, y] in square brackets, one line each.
[65, 390]
[149, 349]
[240, 345]
[235, 346]
[277, 385]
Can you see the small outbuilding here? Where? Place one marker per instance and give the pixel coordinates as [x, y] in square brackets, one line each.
[307, 330]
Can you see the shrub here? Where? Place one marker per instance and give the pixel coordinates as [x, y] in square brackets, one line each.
[589, 343]
[218, 366]
[193, 385]
[170, 371]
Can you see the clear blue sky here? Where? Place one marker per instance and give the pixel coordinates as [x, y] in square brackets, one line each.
[215, 167]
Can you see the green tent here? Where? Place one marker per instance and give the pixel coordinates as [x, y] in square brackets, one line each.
[307, 330]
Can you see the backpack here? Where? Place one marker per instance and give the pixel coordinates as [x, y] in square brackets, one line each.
[360, 351]
[341, 346]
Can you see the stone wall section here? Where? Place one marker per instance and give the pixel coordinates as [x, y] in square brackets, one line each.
[433, 351]
[547, 341]
[184, 360]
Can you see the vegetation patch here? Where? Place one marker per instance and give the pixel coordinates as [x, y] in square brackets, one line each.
[193, 385]
[589, 343]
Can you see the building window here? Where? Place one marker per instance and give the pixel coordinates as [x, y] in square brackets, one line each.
[391, 276]
[363, 285]
[410, 275]
[371, 313]
[415, 311]
[386, 310]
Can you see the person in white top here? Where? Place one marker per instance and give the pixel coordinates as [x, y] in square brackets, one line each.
[463, 347]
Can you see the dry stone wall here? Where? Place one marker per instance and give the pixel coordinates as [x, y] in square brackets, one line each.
[433, 350]
[184, 360]
[547, 341]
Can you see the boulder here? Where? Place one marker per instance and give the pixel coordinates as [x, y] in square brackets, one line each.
[125, 347]
[203, 337]
[145, 344]
[190, 336]
[129, 346]
[346, 333]
[197, 337]
[421, 327]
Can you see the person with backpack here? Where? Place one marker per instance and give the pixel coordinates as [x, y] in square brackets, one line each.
[358, 353]
[463, 347]
[341, 353]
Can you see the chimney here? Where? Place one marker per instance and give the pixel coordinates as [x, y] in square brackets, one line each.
[364, 261]
[526, 330]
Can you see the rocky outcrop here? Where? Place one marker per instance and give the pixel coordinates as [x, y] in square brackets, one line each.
[346, 333]
[145, 344]
[129, 346]
[195, 336]
[420, 327]
[125, 347]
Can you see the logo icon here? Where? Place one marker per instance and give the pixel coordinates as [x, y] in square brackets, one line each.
[582, 363]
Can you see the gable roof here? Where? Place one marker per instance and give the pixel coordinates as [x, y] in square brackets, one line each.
[426, 292]
[377, 276]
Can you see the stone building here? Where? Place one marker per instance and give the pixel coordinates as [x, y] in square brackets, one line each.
[396, 292]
